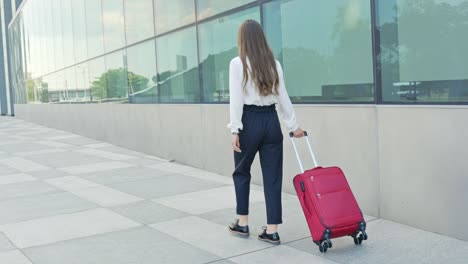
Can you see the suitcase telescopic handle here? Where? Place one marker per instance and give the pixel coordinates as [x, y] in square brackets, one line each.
[306, 136]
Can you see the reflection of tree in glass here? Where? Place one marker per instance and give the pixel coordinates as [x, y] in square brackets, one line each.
[114, 84]
[418, 45]
[422, 22]
[137, 82]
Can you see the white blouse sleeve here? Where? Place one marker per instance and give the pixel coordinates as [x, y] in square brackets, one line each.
[236, 93]
[286, 107]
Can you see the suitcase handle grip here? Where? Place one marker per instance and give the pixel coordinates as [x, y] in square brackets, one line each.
[291, 135]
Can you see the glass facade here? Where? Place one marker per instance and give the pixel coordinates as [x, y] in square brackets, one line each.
[424, 50]
[178, 51]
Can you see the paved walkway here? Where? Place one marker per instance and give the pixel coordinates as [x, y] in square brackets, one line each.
[67, 199]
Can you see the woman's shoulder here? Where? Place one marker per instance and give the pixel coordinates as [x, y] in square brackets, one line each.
[236, 61]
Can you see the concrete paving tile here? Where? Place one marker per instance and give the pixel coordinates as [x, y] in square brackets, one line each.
[143, 161]
[66, 159]
[96, 167]
[205, 175]
[105, 196]
[22, 164]
[167, 185]
[121, 150]
[63, 227]
[148, 212]
[138, 245]
[32, 207]
[393, 243]
[98, 145]
[224, 261]
[15, 178]
[54, 144]
[209, 236]
[47, 174]
[207, 200]
[23, 138]
[10, 144]
[61, 137]
[13, 257]
[4, 170]
[5, 244]
[78, 141]
[40, 152]
[173, 167]
[155, 158]
[124, 175]
[105, 154]
[69, 183]
[31, 188]
[280, 255]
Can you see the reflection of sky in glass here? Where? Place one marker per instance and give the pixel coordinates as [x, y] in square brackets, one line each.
[68, 42]
[95, 42]
[172, 14]
[79, 30]
[207, 8]
[320, 31]
[141, 60]
[221, 34]
[182, 44]
[114, 36]
[138, 20]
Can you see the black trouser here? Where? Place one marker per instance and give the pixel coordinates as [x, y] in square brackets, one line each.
[261, 132]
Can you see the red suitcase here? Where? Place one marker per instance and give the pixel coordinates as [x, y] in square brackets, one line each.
[328, 203]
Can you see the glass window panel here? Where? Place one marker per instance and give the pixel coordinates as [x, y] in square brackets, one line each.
[178, 67]
[97, 79]
[424, 50]
[40, 40]
[331, 62]
[79, 30]
[57, 33]
[56, 88]
[218, 46]
[70, 90]
[67, 30]
[116, 77]
[94, 31]
[48, 37]
[173, 14]
[142, 75]
[82, 82]
[207, 8]
[27, 22]
[139, 23]
[113, 19]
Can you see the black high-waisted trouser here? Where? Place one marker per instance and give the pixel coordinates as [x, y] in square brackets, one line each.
[261, 133]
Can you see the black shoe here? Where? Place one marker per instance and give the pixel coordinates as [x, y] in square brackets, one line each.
[235, 228]
[271, 238]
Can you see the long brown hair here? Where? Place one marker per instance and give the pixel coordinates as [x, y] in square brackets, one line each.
[253, 45]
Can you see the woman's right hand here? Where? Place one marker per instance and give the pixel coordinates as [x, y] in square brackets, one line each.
[298, 133]
[235, 143]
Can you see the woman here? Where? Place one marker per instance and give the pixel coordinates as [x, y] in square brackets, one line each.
[256, 84]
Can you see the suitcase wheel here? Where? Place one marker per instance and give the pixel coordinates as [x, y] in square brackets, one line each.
[359, 237]
[324, 246]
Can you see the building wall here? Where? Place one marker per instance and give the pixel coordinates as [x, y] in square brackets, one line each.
[405, 164]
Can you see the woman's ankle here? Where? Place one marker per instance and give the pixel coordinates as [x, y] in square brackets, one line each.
[243, 220]
[271, 229]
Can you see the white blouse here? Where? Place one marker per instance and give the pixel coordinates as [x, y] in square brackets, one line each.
[251, 97]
